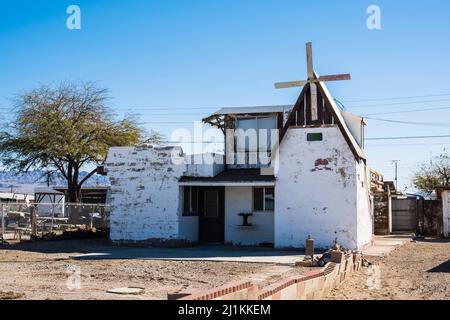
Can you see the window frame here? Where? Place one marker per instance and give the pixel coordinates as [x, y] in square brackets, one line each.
[273, 116]
[193, 212]
[263, 199]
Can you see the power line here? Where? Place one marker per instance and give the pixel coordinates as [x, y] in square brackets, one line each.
[398, 98]
[215, 142]
[407, 111]
[175, 108]
[432, 124]
[167, 122]
[369, 139]
[405, 145]
[405, 138]
[346, 101]
[157, 108]
[395, 104]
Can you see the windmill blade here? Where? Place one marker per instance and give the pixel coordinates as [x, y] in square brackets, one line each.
[336, 77]
[290, 84]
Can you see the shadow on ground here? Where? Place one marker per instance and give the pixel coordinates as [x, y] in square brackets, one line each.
[60, 246]
[442, 268]
[432, 240]
[102, 249]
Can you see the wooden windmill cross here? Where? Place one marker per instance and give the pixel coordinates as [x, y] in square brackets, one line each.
[313, 78]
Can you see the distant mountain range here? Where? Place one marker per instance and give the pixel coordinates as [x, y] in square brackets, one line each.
[26, 182]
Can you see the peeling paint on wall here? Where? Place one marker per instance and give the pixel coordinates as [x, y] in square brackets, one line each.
[320, 190]
[321, 200]
[145, 194]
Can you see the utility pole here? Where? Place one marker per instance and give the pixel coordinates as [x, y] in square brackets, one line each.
[395, 162]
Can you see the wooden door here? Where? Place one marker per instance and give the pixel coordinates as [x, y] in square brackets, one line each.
[212, 214]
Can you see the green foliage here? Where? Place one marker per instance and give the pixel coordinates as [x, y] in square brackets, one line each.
[64, 128]
[156, 139]
[433, 173]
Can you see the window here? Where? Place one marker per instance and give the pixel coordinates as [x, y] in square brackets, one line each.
[263, 199]
[251, 139]
[190, 201]
[314, 137]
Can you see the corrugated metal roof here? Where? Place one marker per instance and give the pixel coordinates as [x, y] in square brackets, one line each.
[46, 190]
[15, 196]
[260, 109]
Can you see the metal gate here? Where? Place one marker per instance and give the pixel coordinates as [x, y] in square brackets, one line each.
[405, 214]
[50, 218]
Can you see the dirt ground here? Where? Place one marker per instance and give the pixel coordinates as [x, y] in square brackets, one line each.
[417, 270]
[41, 271]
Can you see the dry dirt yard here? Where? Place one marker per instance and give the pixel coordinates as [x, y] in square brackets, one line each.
[417, 270]
[40, 271]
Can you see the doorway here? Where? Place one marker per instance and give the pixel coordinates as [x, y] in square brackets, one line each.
[212, 214]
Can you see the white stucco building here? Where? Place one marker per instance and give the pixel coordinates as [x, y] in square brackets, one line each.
[315, 183]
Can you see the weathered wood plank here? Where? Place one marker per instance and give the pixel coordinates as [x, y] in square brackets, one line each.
[290, 84]
[301, 114]
[314, 107]
[320, 109]
[292, 115]
[335, 77]
[308, 120]
[309, 61]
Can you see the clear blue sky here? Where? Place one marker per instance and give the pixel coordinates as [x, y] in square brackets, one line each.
[182, 55]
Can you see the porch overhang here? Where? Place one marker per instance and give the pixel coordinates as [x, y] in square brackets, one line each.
[220, 118]
[226, 184]
[234, 177]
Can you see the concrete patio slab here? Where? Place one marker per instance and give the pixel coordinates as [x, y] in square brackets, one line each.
[383, 245]
[200, 253]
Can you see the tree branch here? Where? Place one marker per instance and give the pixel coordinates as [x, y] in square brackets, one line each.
[87, 177]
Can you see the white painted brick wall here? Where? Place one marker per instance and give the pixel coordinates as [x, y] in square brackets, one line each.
[316, 199]
[364, 214]
[204, 165]
[144, 192]
[239, 200]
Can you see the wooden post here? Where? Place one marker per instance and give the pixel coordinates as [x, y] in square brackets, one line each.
[309, 252]
[53, 217]
[2, 230]
[309, 61]
[33, 220]
[314, 111]
[92, 218]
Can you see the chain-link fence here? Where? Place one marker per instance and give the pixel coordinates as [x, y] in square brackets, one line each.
[21, 221]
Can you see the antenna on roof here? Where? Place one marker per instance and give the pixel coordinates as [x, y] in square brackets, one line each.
[340, 104]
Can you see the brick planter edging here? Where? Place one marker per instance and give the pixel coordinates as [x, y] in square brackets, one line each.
[311, 285]
[276, 287]
[229, 290]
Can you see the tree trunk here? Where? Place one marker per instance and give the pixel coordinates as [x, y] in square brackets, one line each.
[73, 190]
[73, 193]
